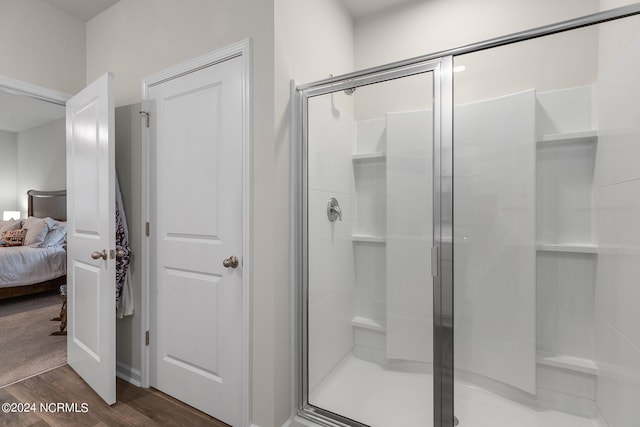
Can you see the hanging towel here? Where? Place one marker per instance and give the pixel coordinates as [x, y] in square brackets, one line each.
[124, 288]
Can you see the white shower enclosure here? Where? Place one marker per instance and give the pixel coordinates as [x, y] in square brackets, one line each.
[468, 242]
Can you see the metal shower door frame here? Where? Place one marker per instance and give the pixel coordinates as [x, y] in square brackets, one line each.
[442, 209]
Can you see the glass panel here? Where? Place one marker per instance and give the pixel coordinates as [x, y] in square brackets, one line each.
[547, 231]
[369, 237]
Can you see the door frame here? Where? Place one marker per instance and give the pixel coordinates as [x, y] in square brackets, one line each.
[33, 91]
[242, 49]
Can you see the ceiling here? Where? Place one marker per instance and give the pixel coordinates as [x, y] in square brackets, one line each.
[87, 9]
[360, 8]
[82, 9]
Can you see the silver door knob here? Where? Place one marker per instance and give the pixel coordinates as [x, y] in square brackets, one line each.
[97, 255]
[232, 261]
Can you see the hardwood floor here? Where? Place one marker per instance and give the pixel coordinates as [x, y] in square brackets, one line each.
[134, 407]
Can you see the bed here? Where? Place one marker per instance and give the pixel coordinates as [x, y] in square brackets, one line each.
[26, 270]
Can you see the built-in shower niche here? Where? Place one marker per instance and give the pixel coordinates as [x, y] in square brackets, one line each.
[369, 239]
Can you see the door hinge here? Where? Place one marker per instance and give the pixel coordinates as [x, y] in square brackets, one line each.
[146, 338]
[146, 229]
[146, 118]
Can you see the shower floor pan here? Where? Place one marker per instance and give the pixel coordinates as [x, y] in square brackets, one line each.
[366, 392]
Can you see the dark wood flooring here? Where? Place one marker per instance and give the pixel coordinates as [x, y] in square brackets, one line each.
[134, 407]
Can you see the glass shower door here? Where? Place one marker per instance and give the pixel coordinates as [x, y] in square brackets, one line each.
[367, 298]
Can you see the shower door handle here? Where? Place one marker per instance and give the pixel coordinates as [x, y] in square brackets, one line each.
[435, 258]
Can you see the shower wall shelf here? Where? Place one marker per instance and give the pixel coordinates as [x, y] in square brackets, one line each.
[366, 323]
[369, 156]
[580, 248]
[368, 239]
[570, 136]
[575, 364]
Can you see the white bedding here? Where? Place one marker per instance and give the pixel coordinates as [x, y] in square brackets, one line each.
[23, 265]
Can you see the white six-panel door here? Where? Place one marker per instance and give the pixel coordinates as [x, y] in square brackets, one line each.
[91, 236]
[196, 223]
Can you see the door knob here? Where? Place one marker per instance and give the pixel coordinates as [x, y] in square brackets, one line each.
[232, 261]
[98, 255]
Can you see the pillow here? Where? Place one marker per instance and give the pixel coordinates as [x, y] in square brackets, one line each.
[37, 230]
[57, 233]
[13, 224]
[14, 237]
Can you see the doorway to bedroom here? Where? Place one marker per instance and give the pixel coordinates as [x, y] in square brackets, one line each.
[33, 264]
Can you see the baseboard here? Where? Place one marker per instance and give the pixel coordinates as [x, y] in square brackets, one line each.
[128, 374]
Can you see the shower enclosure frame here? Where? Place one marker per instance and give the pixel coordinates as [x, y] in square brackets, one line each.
[442, 250]
[440, 63]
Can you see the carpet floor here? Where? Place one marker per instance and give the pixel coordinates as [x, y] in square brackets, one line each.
[26, 348]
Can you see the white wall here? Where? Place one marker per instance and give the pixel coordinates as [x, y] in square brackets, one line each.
[42, 45]
[46, 47]
[610, 4]
[9, 171]
[314, 39]
[617, 208]
[42, 161]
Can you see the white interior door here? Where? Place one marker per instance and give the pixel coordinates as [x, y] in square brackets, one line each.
[196, 195]
[91, 236]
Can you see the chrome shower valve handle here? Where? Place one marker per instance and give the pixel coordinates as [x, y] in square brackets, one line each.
[334, 211]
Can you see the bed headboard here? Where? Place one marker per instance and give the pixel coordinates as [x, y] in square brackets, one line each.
[48, 204]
